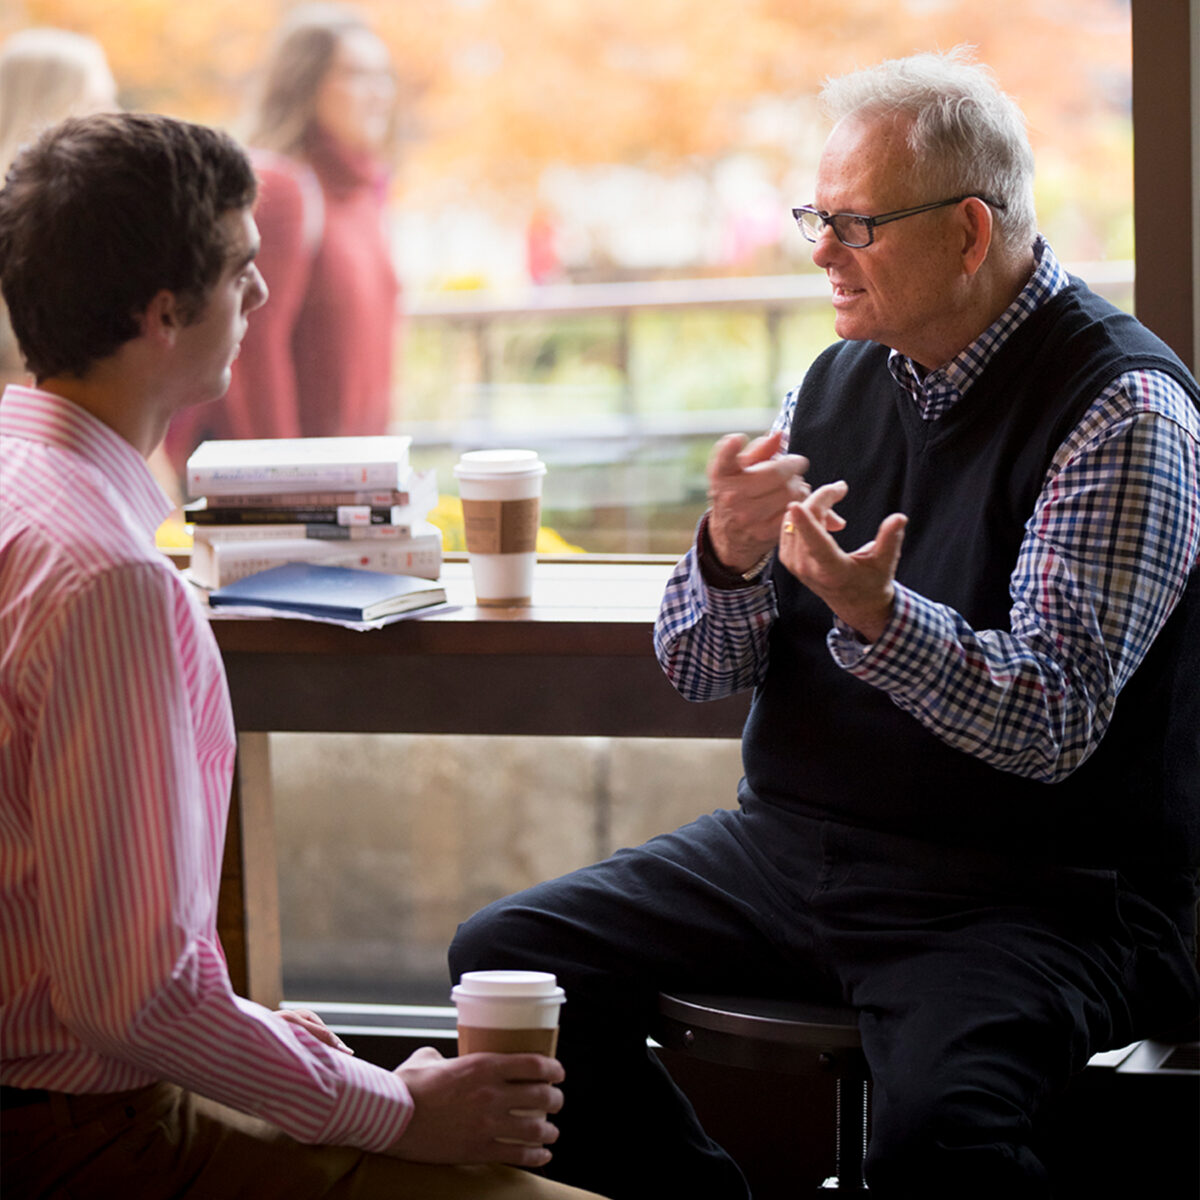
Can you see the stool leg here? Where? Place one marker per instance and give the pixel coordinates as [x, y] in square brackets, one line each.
[850, 1131]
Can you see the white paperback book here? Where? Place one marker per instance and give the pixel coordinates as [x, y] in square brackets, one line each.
[216, 564]
[251, 466]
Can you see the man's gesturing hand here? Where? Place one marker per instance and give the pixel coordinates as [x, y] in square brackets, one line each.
[749, 486]
[860, 586]
[480, 1108]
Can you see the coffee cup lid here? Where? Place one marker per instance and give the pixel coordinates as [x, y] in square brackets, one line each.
[508, 984]
[499, 462]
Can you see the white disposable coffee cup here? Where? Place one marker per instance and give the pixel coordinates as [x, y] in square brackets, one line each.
[508, 1012]
[501, 493]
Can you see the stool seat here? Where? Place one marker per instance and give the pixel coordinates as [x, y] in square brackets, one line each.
[763, 1033]
[793, 1037]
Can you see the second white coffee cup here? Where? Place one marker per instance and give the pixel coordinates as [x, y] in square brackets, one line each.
[501, 494]
[508, 1012]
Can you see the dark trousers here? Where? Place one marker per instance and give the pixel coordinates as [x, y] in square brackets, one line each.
[983, 986]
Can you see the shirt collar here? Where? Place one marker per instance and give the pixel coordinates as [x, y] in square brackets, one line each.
[37, 416]
[936, 394]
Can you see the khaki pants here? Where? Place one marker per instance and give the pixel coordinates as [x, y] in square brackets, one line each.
[160, 1142]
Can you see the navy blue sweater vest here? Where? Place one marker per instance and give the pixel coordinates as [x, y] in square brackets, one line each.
[826, 744]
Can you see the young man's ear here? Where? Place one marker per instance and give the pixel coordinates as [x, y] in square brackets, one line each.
[162, 318]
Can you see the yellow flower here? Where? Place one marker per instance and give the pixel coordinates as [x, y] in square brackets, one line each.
[173, 534]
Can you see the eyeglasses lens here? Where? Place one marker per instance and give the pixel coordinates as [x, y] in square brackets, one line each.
[811, 225]
[849, 230]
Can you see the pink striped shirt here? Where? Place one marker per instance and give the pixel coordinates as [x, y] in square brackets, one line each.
[116, 753]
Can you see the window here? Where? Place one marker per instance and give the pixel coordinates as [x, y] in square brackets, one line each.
[591, 216]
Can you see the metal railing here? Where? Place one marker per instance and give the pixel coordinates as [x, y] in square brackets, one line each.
[480, 315]
[626, 473]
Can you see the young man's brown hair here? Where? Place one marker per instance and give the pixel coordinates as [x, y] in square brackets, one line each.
[85, 244]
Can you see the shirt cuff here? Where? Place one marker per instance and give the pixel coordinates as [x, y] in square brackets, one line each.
[752, 600]
[914, 637]
[716, 573]
[374, 1110]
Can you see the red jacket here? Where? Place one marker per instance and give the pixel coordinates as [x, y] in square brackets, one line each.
[317, 358]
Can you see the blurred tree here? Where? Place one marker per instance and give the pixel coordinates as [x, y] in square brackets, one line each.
[509, 85]
[500, 89]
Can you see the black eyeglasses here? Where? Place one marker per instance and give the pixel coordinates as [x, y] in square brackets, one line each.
[856, 230]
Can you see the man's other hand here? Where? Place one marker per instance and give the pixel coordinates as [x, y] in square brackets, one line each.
[750, 485]
[858, 586]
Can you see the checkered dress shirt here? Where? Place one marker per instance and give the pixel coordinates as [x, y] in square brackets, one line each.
[1105, 557]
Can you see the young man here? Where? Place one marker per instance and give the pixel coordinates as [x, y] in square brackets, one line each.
[972, 763]
[127, 249]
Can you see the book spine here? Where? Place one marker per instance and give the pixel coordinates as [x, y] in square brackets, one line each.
[215, 564]
[420, 489]
[217, 480]
[344, 515]
[377, 499]
[247, 533]
[325, 532]
[362, 533]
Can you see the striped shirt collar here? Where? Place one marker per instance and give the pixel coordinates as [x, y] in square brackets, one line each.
[37, 416]
[936, 394]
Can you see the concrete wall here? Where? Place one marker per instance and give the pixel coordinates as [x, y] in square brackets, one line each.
[386, 842]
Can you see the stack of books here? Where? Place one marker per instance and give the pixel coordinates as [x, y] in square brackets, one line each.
[344, 502]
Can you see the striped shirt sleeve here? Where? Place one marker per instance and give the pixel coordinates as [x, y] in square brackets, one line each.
[130, 864]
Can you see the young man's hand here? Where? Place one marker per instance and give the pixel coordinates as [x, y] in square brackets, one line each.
[480, 1108]
[309, 1021]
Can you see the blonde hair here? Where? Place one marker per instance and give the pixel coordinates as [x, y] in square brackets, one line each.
[45, 75]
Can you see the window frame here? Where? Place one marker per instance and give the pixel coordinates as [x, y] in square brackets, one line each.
[1166, 98]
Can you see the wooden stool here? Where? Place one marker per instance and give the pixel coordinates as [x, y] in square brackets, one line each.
[788, 1036]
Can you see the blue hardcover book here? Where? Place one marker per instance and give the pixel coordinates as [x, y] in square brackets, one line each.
[344, 593]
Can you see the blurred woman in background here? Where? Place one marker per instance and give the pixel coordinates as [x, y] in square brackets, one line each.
[317, 360]
[45, 75]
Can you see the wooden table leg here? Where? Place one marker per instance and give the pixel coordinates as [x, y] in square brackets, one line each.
[248, 909]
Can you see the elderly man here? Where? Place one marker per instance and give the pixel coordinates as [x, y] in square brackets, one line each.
[972, 762]
[128, 1065]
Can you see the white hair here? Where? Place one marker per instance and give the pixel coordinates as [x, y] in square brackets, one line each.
[967, 137]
